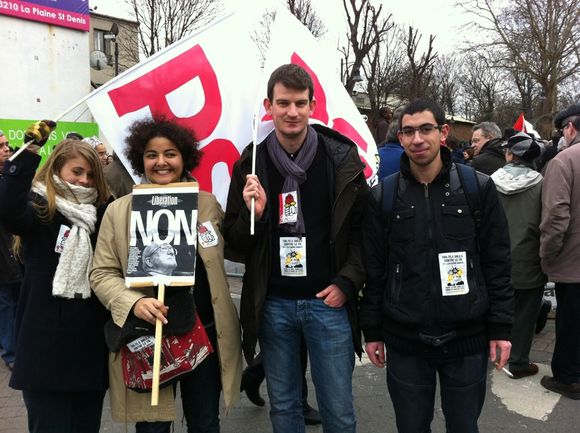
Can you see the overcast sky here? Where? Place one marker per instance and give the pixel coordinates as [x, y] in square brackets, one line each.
[441, 17]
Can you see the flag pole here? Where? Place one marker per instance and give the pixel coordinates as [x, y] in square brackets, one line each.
[157, 350]
[254, 140]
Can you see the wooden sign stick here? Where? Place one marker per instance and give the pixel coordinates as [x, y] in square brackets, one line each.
[157, 350]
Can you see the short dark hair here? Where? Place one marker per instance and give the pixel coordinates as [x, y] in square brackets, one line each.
[141, 131]
[420, 105]
[293, 77]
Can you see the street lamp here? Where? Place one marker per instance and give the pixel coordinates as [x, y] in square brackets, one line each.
[112, 36]
[346, 77]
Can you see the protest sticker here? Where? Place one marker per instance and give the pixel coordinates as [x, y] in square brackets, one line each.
[453, 270]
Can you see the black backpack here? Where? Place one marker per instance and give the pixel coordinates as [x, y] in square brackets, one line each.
[463, 175]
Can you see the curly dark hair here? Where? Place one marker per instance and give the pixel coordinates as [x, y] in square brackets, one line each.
[141, 131]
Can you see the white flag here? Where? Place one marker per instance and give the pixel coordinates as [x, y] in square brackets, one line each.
[292, 42]
[207, 82]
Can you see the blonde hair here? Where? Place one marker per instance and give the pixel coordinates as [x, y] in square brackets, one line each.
[64, 151]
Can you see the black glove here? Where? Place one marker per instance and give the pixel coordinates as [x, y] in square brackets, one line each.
[39, 132]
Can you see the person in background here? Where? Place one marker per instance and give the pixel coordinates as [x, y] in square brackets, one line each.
[520, 192]
[118, 178]
[99, 147]
[560, 253]
[10, 279]
[164, 152]
[390, 152]
[488, 153]
[60, 363]
[382, 129]
[456, 151]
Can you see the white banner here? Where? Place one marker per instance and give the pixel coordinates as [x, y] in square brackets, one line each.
[206, 81]
[292, 42]
[211, 83]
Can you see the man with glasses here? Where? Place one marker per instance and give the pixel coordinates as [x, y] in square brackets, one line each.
[438, 291]
[488, 151]
[560, 253]
[159, 259]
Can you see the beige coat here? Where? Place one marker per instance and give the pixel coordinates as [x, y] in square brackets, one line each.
[107, 280]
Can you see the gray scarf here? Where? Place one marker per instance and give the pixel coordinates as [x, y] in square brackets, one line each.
[293, 170]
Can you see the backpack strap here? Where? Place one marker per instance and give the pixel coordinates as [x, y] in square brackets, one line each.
[390, 185]
[466, 176]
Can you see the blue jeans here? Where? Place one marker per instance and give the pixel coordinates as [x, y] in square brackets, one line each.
[328, 338]
[8, 300]
[64, 412]
[200, 396]
[411, 380]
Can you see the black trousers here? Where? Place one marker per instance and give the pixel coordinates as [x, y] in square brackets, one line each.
[566, 357]
[64, 412]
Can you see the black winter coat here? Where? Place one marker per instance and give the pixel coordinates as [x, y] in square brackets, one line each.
[349, 193]
[403, 298]
[491, 157]
[60, 343]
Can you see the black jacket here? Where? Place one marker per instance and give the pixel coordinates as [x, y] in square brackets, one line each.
[349, 193]
[60, 344]
[491, 157]
[403, 302]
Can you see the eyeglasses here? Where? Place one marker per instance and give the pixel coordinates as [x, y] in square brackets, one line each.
[561, 130]
[409, 131]
[167, 248]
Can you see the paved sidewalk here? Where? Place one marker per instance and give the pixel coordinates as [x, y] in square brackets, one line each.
[373, 407]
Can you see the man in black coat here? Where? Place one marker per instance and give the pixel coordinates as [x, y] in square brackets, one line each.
[438, 292]
[487, 142]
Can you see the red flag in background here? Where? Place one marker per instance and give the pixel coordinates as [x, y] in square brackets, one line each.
[520, 124]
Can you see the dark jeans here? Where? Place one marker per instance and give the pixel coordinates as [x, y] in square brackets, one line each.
[566, 357]
[8, 300]
[411, 380]
[200, 395]
[64, 412]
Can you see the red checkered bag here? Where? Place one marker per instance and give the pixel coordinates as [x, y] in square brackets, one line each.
[180, 354]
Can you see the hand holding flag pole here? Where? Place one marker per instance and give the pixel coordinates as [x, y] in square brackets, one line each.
[254, 140]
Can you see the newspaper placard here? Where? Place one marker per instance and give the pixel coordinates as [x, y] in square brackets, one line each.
[163, 235]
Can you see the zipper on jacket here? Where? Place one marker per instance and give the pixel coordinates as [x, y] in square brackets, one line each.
[396, 284]
[431, 251]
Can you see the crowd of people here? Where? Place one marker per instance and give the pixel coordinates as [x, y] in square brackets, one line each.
[441, 265]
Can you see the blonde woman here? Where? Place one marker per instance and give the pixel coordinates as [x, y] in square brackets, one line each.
[60, 363]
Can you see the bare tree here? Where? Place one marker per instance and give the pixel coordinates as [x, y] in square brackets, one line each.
[366, 29]
[302, 10]
[162, 22]
[482, 87]
[538, 37]
[420, 66]
[445, 84]
[383, 69]
[305, 13]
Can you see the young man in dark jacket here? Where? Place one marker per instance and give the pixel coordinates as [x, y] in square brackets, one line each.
[303, 265]
[438, 291]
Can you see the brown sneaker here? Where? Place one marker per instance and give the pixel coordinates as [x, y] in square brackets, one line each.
[530, 370]
[571, 390]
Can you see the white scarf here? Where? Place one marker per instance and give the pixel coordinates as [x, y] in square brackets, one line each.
[71, 279]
